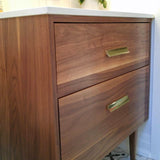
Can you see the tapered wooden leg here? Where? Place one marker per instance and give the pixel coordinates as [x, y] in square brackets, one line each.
[132, 144]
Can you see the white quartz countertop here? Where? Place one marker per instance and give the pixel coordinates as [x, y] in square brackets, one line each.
[71, 11]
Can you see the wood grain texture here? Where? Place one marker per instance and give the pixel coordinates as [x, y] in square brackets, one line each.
[29, 113]
[81, 58]
[28, 122]
[88, 130]
[98, 19]
[4, 107]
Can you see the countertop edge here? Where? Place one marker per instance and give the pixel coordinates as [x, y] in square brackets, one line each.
[71, 11]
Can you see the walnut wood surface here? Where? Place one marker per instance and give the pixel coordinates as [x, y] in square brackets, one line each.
[29, 113]
[88, 129]
[93, 19]
[28, 117]
[80, 52]
[4, 104]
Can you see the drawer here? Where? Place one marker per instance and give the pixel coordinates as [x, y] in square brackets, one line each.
[81, 58]
[88, 129]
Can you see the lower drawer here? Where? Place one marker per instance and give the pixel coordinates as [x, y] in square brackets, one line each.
[88, 129]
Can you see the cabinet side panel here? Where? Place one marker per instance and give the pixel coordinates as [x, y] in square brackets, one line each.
[4, 110]
[32, 103]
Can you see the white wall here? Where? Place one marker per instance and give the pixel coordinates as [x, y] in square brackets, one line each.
[155, 123]
[22, 4]
[115, 5]
[144, 6]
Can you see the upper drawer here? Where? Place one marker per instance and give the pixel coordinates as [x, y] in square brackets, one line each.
[80, 52]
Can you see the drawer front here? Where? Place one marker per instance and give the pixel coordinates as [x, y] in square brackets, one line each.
[88, 129]
[81, 58]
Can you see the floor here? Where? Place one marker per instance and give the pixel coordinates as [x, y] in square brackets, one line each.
[119, 154]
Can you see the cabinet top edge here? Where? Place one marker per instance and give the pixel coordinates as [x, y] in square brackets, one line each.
[73, 12]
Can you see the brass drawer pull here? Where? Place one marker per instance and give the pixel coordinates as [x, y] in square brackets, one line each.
[117, 104]
[117, 52]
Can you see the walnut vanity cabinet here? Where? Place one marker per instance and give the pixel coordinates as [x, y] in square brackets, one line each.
[61, 96]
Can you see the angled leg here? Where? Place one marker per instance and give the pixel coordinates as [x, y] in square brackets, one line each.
[132, 144]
